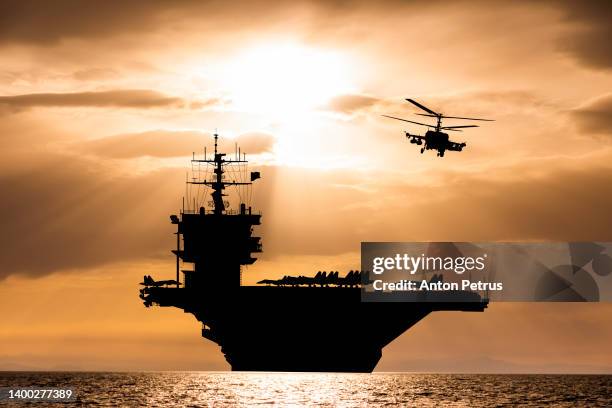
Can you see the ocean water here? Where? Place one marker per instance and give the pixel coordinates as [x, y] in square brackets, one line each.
[206, 389]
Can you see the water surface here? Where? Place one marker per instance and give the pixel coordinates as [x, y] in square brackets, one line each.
[206, 389]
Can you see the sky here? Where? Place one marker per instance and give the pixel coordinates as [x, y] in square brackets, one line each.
[102, 105]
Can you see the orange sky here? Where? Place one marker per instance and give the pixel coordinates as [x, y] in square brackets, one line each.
[101, 107]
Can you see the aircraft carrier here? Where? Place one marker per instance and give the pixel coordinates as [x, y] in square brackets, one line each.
[317, 323]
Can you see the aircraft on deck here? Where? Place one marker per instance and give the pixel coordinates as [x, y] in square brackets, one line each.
[149, 281]
[352, 279]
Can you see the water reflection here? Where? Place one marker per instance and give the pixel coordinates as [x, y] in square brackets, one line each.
[198, 389]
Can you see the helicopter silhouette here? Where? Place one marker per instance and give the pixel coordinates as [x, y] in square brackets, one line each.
[436, 139]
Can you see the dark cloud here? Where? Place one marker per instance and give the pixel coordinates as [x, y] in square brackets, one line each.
[589, 38]
[595, 117]
[65, 213]
[130, 98]
[38, 22]
[166, 143]
[34, 21]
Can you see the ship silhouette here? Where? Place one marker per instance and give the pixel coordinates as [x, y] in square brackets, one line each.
[317, 323]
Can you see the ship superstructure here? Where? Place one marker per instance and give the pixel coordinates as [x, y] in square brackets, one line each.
[298, 323]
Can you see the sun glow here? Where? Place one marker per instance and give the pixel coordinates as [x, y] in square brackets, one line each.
[285, 80]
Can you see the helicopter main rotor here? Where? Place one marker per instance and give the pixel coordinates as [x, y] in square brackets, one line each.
[439, 116]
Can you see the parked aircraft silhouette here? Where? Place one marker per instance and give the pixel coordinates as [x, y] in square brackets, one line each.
[149, 281]
[352, 279]
[436, 139]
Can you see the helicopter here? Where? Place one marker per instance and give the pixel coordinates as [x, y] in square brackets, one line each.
[436, 139]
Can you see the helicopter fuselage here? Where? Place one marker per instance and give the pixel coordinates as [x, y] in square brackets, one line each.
[435, 140]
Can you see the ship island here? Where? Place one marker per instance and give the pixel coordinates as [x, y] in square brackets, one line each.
[316, 323]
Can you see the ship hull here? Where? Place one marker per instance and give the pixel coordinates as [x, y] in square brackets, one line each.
[322, 329]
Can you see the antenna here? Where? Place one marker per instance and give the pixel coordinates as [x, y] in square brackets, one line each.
[219, 183]
[178, 252]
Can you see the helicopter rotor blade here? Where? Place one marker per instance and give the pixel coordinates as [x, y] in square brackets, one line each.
[455, 117]
[457, 127]
[410, 121]
[426, 109]
[460, 117]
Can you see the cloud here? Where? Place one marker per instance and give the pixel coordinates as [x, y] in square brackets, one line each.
[501, 101]
[589, 38]
[69, 212]
[463, 103]
[89, 74]
[349, 104]
[253, 142]
[130, 98]
[167, 143]
[595, 116]
[503, 34]
[66, 212]
[36, 22]
[555, 199]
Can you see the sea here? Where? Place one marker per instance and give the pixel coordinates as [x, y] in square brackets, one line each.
[229, 389]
